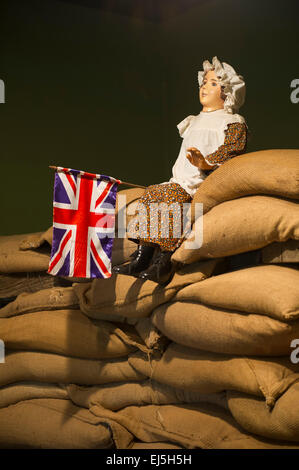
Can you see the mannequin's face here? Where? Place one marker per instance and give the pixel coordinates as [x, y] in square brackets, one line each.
[210, 93]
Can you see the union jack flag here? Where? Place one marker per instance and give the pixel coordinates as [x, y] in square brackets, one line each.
[83, 224]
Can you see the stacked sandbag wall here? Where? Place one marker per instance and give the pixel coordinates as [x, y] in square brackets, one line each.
[201, 363]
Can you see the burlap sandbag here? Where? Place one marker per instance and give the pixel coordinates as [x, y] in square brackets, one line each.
[70, 333]
[281, 423]
[57, 424]
[148, 392]
[154, 445]
[206, 372]
[31, 366]
[152, 337]
[241, 225]
[47, 299]
[266, 290]
[274, 172]
[201, 425]
[13, 259]
[15, 393]
[65, 298]
[36, 240]
[128, 296]
[285, 252]
[14, 284]
[223, 331]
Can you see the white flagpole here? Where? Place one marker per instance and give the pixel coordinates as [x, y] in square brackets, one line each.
[121, 182]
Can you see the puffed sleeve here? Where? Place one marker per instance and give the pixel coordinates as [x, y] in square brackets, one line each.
[234, 144]
[184, 125]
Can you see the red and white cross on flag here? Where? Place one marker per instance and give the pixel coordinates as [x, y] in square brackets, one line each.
[83, 224]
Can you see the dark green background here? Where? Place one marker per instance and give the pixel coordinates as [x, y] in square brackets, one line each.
[102, 90]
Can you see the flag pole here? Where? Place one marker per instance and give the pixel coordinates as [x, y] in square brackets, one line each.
[121, 182]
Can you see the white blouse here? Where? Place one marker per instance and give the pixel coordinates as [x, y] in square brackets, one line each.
[206, 132]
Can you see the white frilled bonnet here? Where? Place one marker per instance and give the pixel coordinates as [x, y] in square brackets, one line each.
[234, 85]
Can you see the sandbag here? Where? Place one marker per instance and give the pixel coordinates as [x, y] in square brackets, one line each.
[274, 172]
[152, 337]
[117, 396]
[36, 240]
[201, 425]
[31, 366]
[154, 445]
[241, 225]
[281, 423]
[46, 299]
[206, 372]
[132, 297]
[267, 290]
[15, 393]
[56, 424]
[144, 327]
[13, 284]
[223, 331]
[13, 259]
[285, 252]
[70, 333]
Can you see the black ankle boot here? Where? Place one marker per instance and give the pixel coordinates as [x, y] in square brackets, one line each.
[161, 270]
[140, 262]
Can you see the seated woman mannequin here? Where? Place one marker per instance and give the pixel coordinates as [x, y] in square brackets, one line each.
[214, 136]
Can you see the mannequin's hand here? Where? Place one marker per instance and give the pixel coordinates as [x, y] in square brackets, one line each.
[196, 158]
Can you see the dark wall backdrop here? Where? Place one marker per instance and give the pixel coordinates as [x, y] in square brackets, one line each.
[101, 86]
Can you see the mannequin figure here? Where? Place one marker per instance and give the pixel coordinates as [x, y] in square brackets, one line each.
[214, 136]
